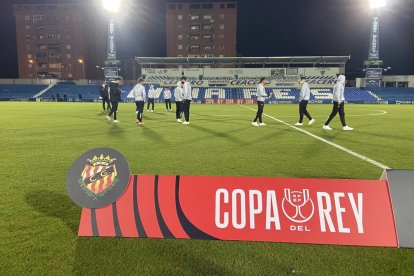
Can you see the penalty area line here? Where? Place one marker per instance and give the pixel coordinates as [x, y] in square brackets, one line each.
[360, 156]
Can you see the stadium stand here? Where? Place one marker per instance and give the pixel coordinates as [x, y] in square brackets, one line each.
[393, 95]
[19, 91]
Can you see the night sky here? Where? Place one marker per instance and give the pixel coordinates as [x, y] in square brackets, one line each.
[265, 28]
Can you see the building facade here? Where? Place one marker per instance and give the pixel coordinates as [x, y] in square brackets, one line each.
[201, 28]
[56, 39]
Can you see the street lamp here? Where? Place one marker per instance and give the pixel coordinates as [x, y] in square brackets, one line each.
[33, 63]
[81, 61]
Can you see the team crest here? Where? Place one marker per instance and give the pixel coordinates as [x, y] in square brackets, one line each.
[99, 176]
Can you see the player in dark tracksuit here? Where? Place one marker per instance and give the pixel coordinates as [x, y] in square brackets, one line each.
[103, 92]
[261, 97]
[115, 98]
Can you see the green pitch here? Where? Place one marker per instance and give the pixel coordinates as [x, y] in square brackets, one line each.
[39, 142]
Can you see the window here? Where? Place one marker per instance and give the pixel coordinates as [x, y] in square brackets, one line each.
[221, 36]
[27, 17]
[195, 17]
[222, 6]
[195, 6]
[53, 36]
[68, 56]
[37, 18]
[208, 47]
[68, 47]
[207, 27]
[41, 55]
[27, 27]
[55, 65]
[30, 65]
[195, 27]
[207, 6]
[195, 47]
[41, 36]
[180, 17]
[195, 37]
[171, 6]
[69, 75]
[29, 56]
[221, 56]
[221, 16]
[180, 55]
[208, 37]
[180, 47]
[180, 27]
[221, 47]
[221, 26]
[28, 37]
[207, 16]
[180, 6]
[231, 6]
[180, 37]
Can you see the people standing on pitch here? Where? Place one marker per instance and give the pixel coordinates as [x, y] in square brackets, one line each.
[103, 92]
[138, 92]
[261, 97]
[178, 95]
[338, 104]
[151, 98]
[304, 98]
[167, 98]
[115, 97]
[187, 98]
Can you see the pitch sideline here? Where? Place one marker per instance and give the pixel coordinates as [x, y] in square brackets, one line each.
[360, 156]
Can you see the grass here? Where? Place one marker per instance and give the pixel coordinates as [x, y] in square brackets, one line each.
[39, 142]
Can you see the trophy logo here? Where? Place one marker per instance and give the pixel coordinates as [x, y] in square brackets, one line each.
[298, 206]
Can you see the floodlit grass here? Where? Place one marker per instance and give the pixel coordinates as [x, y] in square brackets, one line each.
[39, 142]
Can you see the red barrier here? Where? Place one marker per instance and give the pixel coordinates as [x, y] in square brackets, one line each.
[320, 211]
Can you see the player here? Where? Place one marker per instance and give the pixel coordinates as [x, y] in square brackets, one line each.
[115, 97]
[167, 99]
[178, 95]
[261, 97]
[103, 92]
[304, 98]
[138, 93]
[187, 98]
[338, 104]
[151, 98]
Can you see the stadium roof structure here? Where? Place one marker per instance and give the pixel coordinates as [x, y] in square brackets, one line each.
[294, 60]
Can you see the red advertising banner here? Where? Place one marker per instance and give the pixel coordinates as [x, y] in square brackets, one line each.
[319, 211]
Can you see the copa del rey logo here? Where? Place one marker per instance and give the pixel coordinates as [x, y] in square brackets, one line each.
[330, 212]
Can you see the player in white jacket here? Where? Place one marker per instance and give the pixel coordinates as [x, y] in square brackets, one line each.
[151, 98]
[139, 95]
[338, 104]
[187, 98]
[304, 98]
[261, 97]
[167, 99]
[178, 96]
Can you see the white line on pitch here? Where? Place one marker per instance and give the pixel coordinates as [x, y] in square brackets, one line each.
[367, 159]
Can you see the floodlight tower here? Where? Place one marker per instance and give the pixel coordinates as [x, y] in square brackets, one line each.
[373, 64]
[112, 8]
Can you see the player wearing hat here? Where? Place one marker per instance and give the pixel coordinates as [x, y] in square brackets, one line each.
[338, 104]
[304, 98]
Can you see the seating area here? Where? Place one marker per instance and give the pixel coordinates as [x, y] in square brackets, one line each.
[393, 94]
[201, 94]
[19, 91]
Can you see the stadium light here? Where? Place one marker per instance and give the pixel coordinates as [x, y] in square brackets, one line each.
[111, 5]
[377, 4]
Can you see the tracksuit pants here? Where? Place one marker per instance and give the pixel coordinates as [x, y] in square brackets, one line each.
[337, 107]
[167, 103]
[150, 101]
[106, 100]
[260, 107]
[178, 110]
[114, 109]
[140, 109]
[303, 105]
[186, 109]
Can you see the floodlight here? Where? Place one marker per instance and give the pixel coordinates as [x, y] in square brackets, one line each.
[80, 61]
[377, 4]
[111, 5]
